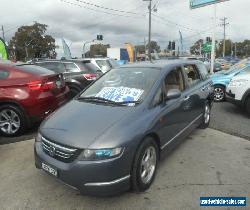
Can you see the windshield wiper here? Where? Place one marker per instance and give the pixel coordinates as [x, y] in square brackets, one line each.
[128, 102]
[104, 100]
[99, 99]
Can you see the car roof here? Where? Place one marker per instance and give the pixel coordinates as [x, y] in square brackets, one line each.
[161, 64]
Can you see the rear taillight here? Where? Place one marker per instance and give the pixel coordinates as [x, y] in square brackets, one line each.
[90, 76]
[40, 85]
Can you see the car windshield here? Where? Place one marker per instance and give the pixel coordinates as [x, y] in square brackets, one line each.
[103, 64]
[123, 85]
[86, 65]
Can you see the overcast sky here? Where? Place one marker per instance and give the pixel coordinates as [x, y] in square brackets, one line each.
[78, 24]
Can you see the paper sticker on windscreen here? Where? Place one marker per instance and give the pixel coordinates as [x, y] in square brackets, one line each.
[120, 94]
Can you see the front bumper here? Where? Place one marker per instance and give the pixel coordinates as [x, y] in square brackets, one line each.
[104, 178]
[230, 97]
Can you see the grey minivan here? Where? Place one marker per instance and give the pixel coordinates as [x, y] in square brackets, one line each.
[111, 136]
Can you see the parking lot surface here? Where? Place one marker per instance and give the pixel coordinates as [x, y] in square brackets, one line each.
[230, 119]
[207, 163]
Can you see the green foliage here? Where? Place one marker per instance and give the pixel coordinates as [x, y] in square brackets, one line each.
[154, 46]
[31, 42]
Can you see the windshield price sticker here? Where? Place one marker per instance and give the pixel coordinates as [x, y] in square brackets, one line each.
[120, 94]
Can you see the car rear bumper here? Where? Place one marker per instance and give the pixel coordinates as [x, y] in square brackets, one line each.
[104, 178]
[44, 106]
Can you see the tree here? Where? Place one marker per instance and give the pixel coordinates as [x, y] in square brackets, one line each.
[98, 50]
[140, 49]
[31, 42]
[154, 46]
[195, 49]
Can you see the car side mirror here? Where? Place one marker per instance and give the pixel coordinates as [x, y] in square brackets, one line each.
[173, 94]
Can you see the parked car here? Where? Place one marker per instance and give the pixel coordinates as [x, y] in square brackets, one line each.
[103, 64]
[238, 91]
[222, 79]
[28, 94]
[111, 137]
[217, 67]
[225, 65]
[78, 74]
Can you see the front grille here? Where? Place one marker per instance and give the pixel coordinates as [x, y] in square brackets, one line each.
[60, 152]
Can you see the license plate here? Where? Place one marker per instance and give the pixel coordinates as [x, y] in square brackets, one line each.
[49, 169]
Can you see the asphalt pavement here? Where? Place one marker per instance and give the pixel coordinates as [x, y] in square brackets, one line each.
[230, 119]
[207, 163]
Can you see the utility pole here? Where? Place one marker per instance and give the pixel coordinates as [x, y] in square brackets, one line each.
[149, 29]
[3, 33]
[235, 50]
[224, 24]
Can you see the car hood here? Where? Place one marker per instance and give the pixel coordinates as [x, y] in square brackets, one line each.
[79, 124]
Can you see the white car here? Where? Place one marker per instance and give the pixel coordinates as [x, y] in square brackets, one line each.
[103, 64]
[238, 91]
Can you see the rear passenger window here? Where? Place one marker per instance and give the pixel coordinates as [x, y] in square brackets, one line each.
[192, 74]
[203, 71]
[71, 67]
[57, 67]
[4, 74]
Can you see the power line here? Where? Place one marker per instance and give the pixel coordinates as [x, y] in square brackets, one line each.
[96, 10]
[174, 23]
[105, 8]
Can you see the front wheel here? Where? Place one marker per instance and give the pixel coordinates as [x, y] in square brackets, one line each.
[206, 116]
[219, 93]
[145, 165]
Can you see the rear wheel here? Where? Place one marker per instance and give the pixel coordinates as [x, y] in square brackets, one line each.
[12, 121]
[145, 165]
[247, 106]
[206, 116]
[219, 93]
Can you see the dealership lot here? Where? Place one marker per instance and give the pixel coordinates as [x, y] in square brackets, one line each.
[208, 162]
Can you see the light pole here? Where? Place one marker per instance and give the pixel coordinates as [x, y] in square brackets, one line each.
[149, 29]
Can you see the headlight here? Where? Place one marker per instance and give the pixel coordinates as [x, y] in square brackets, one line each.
[38, 137]
[100, 154]
[237, 83]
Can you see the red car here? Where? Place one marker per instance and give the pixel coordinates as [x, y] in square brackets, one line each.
[28, 94]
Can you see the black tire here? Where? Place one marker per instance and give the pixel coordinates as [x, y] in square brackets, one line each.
[206, 116]
[137, 183]
[247, 106]
[219, 93]
[19, 115]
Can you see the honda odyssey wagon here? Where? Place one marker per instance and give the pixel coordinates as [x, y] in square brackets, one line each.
[110, 138]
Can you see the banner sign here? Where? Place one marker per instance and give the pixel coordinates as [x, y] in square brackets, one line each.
[3, 50]
[202, 3]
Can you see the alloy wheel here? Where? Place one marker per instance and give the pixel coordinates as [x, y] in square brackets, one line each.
[148, 165]
[9, 121]
[218, 94]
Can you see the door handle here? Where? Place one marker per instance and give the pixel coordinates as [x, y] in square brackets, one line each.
[186, 98]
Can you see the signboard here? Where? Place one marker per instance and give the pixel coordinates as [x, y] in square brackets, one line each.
[202, 3]
[3, 50]
[207, 47]
[120, 94]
